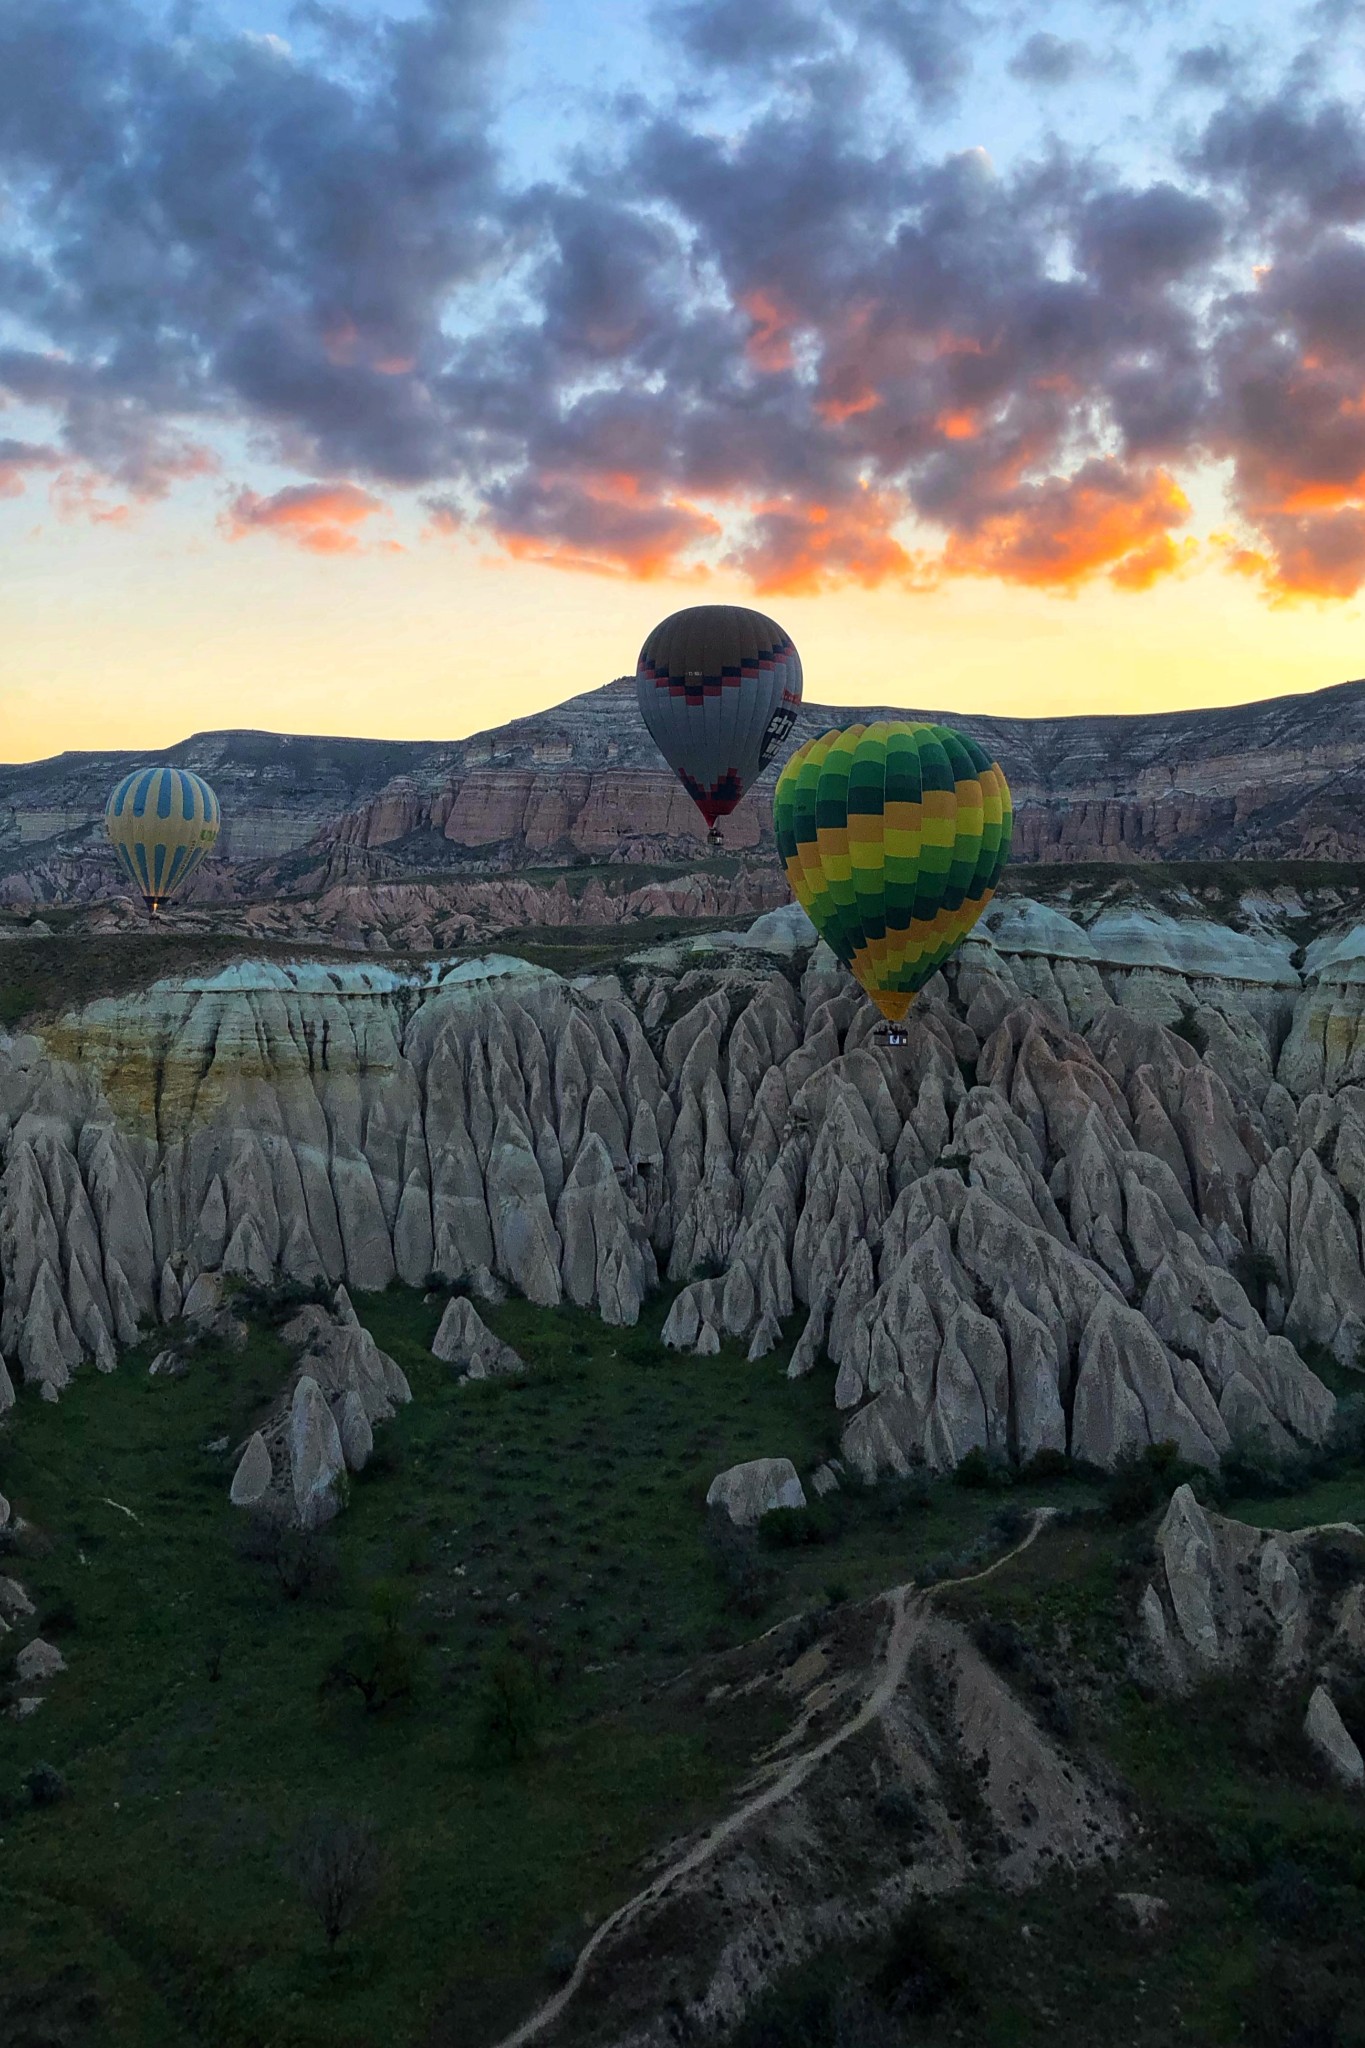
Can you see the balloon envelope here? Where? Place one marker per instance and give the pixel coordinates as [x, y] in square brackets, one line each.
[894, 836]
[161, 822]
[719, 688]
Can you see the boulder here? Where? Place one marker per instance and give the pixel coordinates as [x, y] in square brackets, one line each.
[747, 1492]
[1333, 1742]
[39, 1660]
[465, 1340]
[170, 1365]
[251, 1480]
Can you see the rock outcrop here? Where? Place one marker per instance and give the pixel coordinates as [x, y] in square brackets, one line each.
[322, 1425]
[1225, 1591]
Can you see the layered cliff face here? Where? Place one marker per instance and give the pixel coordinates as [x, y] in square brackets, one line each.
[1283, 778]
[1050, 1222]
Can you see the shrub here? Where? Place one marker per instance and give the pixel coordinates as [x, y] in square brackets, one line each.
[45, 1785]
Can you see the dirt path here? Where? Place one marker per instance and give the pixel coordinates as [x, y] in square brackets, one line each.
[909, 1608]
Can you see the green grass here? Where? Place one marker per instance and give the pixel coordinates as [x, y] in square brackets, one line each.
[153, 1905]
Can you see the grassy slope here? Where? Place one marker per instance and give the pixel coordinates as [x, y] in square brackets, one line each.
[153, 1906]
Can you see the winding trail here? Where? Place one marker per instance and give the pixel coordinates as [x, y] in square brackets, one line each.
[907, 1619]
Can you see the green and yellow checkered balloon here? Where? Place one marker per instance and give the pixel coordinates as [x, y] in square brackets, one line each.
[894, 836]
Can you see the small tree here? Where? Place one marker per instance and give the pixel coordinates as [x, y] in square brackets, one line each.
[338, 1865]
[510, 1709]
[382, 1660]
[299, 1560]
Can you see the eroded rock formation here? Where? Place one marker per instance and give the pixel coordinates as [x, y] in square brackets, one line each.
[1050, 1222]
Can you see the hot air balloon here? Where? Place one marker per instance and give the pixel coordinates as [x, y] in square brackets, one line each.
[894, 836]
[719, 688]
[162, 822]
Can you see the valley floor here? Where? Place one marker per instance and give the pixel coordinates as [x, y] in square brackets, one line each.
[553, 1529]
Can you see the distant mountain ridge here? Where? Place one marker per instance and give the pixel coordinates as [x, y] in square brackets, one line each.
[1281, 778]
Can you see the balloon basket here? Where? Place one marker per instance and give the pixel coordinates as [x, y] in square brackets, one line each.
[892, 1035]
[713, 838]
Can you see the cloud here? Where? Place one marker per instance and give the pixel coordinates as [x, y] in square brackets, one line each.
[739, 34]
[1060, 532]
[613, 525]
[323, 518]
[1046, 59]
[764, 324]
[18, 459]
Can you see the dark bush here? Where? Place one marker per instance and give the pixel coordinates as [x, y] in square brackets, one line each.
[892, 1501]
[1138, 1485]
[1000, 1642]
[1287, 1897]
[795, 1528]
[57, 1620]
[45, 1785]
[1336, 1565]
[1045, 1466]
[974, 1470]
[897, 1809]
[561, 1959]
[805, 1631]
[747, 1582]
[1254, 1469]
[275, 1302]
[1010, 1524]
[921, 1971]
[817, 2007]
[1256, 1273]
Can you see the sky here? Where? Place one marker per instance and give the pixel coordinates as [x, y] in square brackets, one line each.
[392, 368]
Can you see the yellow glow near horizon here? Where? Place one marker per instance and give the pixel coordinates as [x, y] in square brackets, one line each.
[134, 637]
